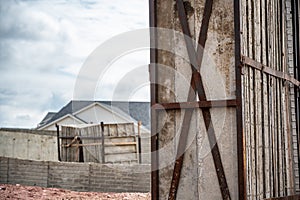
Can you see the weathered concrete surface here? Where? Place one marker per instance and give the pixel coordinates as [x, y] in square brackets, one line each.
[198, 178]
[42, 145]
[28, 144]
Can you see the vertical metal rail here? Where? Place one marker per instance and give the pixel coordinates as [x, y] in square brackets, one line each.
[153, 89]
[58, 142]
[239, 115]
[296, 45]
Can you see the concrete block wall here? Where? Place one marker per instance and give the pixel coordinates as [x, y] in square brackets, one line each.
[73, 176]
[25, 172]
[76, 176]
[3, 170]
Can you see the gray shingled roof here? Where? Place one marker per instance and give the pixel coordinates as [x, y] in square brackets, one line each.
[47, 118]
[140, 111]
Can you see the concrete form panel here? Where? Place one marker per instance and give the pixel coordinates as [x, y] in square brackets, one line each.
[267, 119]
[24, 145]
[267, 122]
[198, 178]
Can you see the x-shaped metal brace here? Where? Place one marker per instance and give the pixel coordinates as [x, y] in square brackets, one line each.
[196, 83]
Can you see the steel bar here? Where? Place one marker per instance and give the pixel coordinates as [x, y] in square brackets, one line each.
[241, 146]
[153, 88]
[196, 82]
[278, 74]
[198, 104]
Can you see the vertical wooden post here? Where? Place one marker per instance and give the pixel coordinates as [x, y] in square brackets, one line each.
[58, 143]
[139, 142]
[81, 158]
[102, 139]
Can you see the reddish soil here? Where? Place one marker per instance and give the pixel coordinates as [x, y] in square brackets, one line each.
[32, 193]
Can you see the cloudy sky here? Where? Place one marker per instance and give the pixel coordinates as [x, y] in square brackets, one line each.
[44, 44]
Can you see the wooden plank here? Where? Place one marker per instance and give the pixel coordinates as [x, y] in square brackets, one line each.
[280, 142]
[250, 28]
[120, 149]
[285, 146]
[113, 130]
[120, 143]
[271, 64]
[285, 149]
[119, 153]
[246, 104]
[121, 130]
[271, 131]
[259, 139]
[277, 112]
[244, 34]
[258, 102]
[247, 127]
[264, 100]
[281, 6]
[121, 139]
[123, 158]
[252, 135]
[72, 151]
[253, 190]
[266, 135]
[63, 141]
[289, 154]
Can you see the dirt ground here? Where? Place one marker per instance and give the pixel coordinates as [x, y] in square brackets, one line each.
[33, 192]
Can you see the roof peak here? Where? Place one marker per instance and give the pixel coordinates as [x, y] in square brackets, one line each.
[137, 110]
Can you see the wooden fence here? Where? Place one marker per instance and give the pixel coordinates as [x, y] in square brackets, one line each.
[102, 143]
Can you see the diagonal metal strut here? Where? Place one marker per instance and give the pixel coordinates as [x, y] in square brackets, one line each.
[197, 83]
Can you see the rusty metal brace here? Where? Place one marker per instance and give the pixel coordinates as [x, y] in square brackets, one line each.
[196, 83]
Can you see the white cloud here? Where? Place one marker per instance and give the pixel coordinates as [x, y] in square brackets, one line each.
[43, 44]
